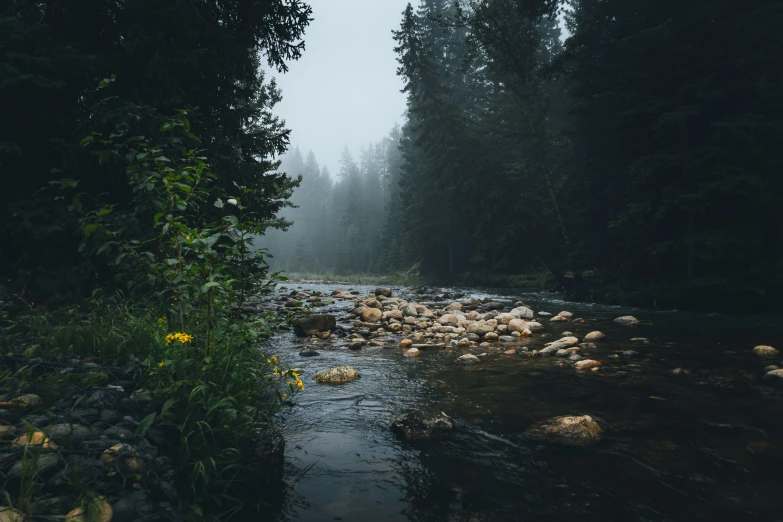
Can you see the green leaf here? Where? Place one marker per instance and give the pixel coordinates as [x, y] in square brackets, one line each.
[89, 229]
[206, 286]
[167, 406]
[145, 425]
[86, 140]
[219, 203]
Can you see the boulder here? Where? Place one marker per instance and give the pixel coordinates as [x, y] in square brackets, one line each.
[413, 352]
[627, 320]
[371, 315]
[468, 359]
[567, 315]
[308, 352]
[409, 310]
[373, 303]
[393, 314]
[338, 375]
[594, 336]
[454, 306]
[507, 339]
[406, 343]
[572, 430]
[586, 364]
[558, 319]
[414, 425]
[491, 336]
[315, 323]
[765, 351]
[384, 291]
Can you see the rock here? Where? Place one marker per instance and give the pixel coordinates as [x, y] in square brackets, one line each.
[640, 340]
[549, 350]
[492, 305]
[119, 433]
[110, 416]
[534, 326]
[594, 336]
[449, 319]
[517, 325]
[132, 507]
[27, 400]
[775, 376]
[37, 438]
[7, 432]
[338, 375]
[373, 303]
[565, 342]
[480, 328]
[10, 515]
[73, 432]
[356, 344]
[393, 314]
[119, 451]
[464, 342]
[588, 346]
[308, 352]
[627, 320]
[491, 336]
[384, 291]
[454, 306]
[413, 425]
[567, 315]
[410, 310]
[507, 339]
[544, 314]
[315, 323]
[562, 353]
[575, 357]
[771, 367]
[406, 343]
[371, 315]
[413, 352]
[98, 511]
[45, 463]
[765, 351]
[586, 364]
[629, 353]
[512, 351]
[558, 319]
[578, 431]
[523, 312]
[468, 359]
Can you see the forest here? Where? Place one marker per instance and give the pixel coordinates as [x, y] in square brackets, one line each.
[159, 221]
[633, 161]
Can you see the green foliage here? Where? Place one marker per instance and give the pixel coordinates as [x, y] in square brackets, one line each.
[196, 272]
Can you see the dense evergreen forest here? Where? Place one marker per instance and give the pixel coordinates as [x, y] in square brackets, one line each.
[636, 160]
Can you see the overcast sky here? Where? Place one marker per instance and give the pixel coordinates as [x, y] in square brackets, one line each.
[344, 91]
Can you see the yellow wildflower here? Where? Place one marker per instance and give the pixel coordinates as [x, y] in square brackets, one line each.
[181, 337]
[274, 358]
[268, 361]
[162, 320]
[161, 363]
[299, 384]
[285, 395]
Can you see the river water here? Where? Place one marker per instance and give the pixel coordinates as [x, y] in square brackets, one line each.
[707, 445]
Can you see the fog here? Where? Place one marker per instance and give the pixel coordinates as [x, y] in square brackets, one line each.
[344, 91]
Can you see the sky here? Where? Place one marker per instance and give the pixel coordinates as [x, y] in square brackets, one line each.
[344, 91]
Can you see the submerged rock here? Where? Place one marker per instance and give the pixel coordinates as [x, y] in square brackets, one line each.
[384, 291]
[594, 336]
[765, 351]
[338, 375]
[627, 320]
[572, 430]
[308, 352]
[586, 364]
[315, 323]
[414, 425]
[468, 359]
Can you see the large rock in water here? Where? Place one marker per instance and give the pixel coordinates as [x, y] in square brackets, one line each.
[468, 359]
[338, 375]
[384, 291]
[774, 376]
[414, 425]
[765, 351]
[370, 315]
[577, 431]
[627, 320]
[315, 323]
[523, 312]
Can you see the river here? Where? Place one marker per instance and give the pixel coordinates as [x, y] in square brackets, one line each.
[707, 445]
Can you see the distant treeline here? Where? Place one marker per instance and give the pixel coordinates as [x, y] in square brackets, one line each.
[638, 160]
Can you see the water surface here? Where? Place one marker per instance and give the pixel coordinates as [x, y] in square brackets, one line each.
[701, 446]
